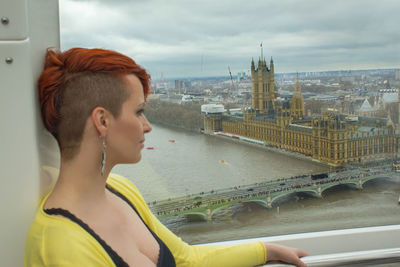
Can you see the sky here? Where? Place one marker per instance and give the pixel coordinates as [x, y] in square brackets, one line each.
[187, 38]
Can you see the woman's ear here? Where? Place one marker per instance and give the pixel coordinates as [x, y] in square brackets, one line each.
[100, 120]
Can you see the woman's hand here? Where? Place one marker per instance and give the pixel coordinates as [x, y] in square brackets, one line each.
[285, 254]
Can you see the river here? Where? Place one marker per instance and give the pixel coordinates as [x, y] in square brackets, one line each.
[179, 162]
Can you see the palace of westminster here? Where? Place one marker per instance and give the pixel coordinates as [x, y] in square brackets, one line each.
[331, 137]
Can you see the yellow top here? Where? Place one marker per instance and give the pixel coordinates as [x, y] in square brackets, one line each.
[57, 241]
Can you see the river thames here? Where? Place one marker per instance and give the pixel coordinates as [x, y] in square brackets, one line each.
[177, 162]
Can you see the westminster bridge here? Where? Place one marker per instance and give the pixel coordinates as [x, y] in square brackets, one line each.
[206, 204]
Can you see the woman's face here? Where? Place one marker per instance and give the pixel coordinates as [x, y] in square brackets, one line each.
[125, 136]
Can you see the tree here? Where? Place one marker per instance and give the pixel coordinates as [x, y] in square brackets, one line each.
[186, 116]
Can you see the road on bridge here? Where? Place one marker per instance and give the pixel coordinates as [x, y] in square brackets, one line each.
[205, 203]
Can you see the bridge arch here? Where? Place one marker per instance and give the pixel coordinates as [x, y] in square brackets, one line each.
[338, 184]
[260, 202]
[213, 211]
[191, 215]
[370, 178]
[310, 192]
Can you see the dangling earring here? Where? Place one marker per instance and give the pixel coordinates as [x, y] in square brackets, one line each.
[103, 157]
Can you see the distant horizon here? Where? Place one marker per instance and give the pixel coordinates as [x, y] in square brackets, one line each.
[276, 73]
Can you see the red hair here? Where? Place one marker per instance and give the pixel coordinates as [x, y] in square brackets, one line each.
[90, 76]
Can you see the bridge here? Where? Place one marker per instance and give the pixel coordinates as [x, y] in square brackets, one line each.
[205, 205]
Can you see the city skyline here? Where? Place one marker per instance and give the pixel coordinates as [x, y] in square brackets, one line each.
[191, 39]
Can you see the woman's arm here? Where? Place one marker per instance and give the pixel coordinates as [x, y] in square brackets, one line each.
[243, 255]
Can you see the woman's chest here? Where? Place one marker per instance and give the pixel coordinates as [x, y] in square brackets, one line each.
[124, 231]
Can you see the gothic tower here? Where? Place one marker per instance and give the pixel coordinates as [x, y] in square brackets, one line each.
[297, 105]
[398, 98]
[263, 91]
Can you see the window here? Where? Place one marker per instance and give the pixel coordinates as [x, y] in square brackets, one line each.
[341, 62]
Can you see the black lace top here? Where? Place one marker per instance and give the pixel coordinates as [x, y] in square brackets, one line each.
[165, 258]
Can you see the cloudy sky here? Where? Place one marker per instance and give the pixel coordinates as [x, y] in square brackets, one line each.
[187, 38]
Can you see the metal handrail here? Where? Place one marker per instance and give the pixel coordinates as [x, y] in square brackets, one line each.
[354, 259]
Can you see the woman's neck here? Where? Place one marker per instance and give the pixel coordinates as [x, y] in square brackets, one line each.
[80, 183]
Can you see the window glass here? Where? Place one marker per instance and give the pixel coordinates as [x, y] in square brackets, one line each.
[300, 131]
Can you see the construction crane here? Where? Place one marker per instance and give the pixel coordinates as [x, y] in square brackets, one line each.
[233, 85]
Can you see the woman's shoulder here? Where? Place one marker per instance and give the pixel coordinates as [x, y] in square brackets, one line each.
[123, 185]
[53, 228]
[56, 240]
[119, 180]
[126, 188]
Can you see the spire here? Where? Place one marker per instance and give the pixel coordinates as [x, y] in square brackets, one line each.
[297, 87]
[297, 104]
[366, 106]
[253, 67]
[389, 120]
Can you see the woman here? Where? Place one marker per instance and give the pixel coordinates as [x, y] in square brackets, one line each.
[92, 102]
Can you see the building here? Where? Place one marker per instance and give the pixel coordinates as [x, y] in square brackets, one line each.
[178, 86]
[332, 138]
[397, 75]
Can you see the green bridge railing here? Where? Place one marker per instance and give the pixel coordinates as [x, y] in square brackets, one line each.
[205, 204]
